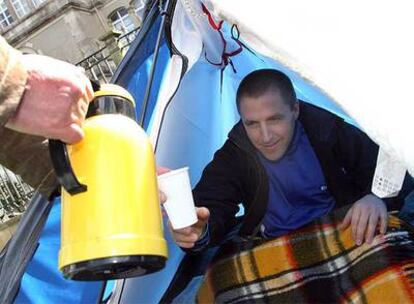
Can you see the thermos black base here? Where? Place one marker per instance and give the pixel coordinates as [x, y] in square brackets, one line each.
[112, 268]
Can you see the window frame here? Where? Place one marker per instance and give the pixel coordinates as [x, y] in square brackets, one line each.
[120, 19]
[6, 18]
[21, 8]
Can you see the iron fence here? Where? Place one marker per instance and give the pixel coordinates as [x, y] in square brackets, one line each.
[14, 195]
[101, 65]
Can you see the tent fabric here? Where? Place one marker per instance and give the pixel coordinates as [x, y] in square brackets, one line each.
[133, 72]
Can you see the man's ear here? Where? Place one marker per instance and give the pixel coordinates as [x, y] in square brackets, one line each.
[296, 109]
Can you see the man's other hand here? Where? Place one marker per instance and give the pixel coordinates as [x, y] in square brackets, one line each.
[366, 216]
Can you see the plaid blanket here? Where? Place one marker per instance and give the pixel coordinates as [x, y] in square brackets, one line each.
[317, 264]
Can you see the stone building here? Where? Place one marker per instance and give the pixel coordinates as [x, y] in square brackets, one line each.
[70, 30]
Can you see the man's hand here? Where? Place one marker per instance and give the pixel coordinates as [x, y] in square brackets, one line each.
[366, 216]
[186, 237]
[55, 101]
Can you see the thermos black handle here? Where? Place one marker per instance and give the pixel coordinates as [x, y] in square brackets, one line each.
[61, 164]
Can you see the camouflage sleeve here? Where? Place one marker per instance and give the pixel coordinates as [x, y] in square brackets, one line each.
[25, 155]
[13, 77]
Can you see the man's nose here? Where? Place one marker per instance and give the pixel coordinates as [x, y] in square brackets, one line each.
[265, 133]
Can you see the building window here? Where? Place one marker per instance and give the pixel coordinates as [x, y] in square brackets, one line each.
[37, 3]
[121, 21]
[5, 17]
[20, 7]
[139, 8]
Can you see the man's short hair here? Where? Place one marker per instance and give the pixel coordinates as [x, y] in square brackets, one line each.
[261, 81]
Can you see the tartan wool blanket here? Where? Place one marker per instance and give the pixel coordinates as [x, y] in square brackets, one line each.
[316, 264]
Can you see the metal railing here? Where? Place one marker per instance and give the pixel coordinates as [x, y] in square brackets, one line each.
[14, 195]
[101, 65]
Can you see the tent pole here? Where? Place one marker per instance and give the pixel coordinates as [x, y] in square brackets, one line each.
[163, 13]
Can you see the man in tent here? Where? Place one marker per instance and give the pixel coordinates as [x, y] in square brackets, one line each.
[288, 163]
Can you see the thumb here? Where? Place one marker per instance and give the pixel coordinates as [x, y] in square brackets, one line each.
[162, 170]
[203, 214]
[163, 197]
[72, 135]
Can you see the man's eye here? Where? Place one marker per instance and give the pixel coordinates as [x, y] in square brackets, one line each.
[276, 119]
[252, 124]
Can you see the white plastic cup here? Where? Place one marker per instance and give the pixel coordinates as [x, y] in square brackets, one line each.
[180, 204]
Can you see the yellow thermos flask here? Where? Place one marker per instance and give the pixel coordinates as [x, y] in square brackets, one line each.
[111, 217]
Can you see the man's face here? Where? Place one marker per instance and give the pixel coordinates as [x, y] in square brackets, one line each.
[269, 122]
